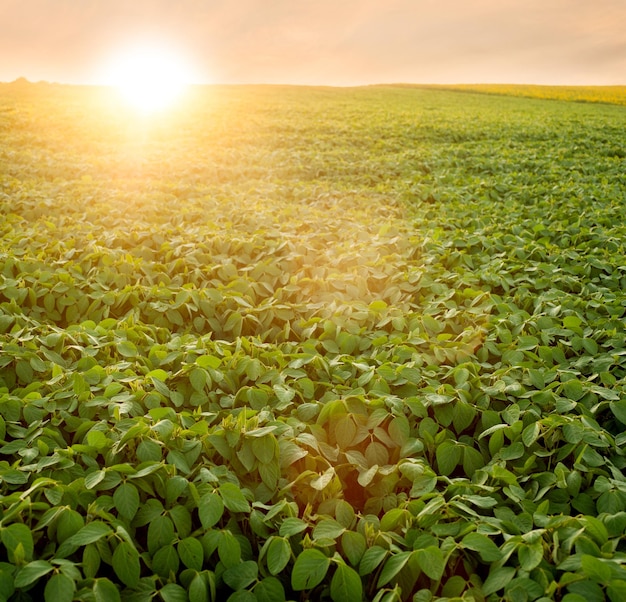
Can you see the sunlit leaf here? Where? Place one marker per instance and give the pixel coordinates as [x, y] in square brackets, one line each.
[309, 569]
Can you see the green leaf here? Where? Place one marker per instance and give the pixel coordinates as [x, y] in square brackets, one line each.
[90, 533]
[209, 361]
[344, 513]
[165, 561]
[463, 417]
[328, 528]
[241, 575]
[191, 553]
[431, 561]
[400, 430]
[233, 498]
[345, 430]
[91, 561]
[488, 550]
[392, 567]
[24, 371]
[454, 587]
[264, 448]
[173, 593]
[503, 474]
[309, 569]
[174, 488]
[537, 378]
[595, 569]
[59, 588]
[423, 485]
[243, 595]
[590, 591]
[105, 591]
[448, 457]
[181, 517]
[322, 481]
[354, 545]
[284, 394]
[472, 460]
[233, 324]
[292, 526]
[210, 509]
[372, 558]
[13, 476]
[512, 452]
[7, 587]
[199, 589]
[278, 554]
[619, 410]
[148, 512]
[530, 555]
[69, 523]
[198, 379]
[126, 500]
[530, 434]
[179, 460]
[94, 478]
[229, 549]
[18, 537]
[617, 590]
[367, 476]
[29, 573]
[269, 589]
[127, 349]
[572, 322]
[498, 579]
[346, 585]
[160, 533]
[126, 564]
[573, 389]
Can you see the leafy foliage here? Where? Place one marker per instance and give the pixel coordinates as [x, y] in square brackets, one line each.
[327, 344]
[604, 94]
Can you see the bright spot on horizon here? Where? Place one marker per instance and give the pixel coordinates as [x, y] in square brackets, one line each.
[150, 78]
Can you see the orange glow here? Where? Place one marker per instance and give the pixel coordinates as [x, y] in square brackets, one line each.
[149, 77]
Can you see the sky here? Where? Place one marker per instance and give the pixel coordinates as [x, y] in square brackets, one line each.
[324, 42]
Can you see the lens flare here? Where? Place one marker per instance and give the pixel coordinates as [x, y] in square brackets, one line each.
[150, 78]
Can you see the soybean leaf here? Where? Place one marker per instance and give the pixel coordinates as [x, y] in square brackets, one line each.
[498, 579]
[59, 588]
[269, 589]
[346, 585]
[488, 550]
[309, 569]
[32, 571]
[210, 509]
[126, 564]
[191, 553]
[126, 500]
[393, 565]
[431, 561]
[241, 575]
[233, 498]
[278, 555]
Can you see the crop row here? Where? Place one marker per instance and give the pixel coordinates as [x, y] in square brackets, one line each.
[326, 344]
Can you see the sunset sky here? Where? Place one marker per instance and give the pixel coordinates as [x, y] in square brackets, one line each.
[334, 42]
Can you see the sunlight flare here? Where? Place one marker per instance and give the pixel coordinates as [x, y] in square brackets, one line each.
[149, 77]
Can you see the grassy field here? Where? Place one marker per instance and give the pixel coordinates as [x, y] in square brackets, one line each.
[312, 344]
[595, 94]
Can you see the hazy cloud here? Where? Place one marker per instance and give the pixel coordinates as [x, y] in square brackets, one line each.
[338, 42]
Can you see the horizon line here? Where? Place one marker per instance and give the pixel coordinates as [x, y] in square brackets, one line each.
[24, 80]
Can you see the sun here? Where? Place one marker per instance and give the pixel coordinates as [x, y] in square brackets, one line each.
[149, 77]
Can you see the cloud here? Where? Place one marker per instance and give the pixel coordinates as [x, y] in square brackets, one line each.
[327, 41]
